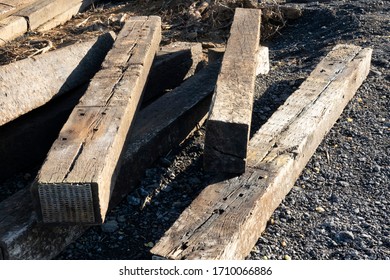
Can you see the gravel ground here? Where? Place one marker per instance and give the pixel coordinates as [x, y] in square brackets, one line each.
[338, 208]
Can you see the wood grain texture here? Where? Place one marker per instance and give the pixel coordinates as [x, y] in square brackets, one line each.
[29, 83]
[181, 60]
[12, 27]
[43, 11]
[227, 218]
[25, 142]
[9, 7]
[228, 126]
[22, 237]
[75, 182]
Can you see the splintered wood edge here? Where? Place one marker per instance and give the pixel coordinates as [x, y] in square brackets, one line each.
[274, 179]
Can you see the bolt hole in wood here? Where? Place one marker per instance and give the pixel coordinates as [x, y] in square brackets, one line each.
[64, 139]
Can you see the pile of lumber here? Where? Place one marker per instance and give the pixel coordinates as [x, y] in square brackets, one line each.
[117, 117]
[19, 16]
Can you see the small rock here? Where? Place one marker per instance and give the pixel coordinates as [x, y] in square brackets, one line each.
[287, 257]
[333, 198]
[194, 181]
[121, 219]
[376, 72]
[165, 162]
[143, 192]
[133, 200]
[320, 209]
[167, 188]
[344, 184]
[283, 243]
[345, 236]
[149, 244]
[110, 226]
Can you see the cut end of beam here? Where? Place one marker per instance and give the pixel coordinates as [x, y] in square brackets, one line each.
[67, 203]
[226, 155]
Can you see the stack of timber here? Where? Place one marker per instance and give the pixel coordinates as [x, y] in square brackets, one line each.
[25, 141]
[76, 180]
[227, 218]
[228, 126]
[19, 16]
[159, 127]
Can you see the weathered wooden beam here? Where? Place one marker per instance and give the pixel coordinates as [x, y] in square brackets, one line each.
[64, 16]
[227, 218]
[43, 11]
[9, 7]
[76, 180]
[181, 59]
[29, 83]
[43, 14]
[228, 126]
[25, 141]
[262, 58]
[12, 27]
[22, 237]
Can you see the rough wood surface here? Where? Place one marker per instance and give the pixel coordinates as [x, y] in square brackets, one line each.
[32, 82]
[25, 141]
[227, 218]
[12, 27]
[22, 237]
[45, 10]
[64, 16]
[76, 180]
[181, 59]
[228, 126]
[9, 7]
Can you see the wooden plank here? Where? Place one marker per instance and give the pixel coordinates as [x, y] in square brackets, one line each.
[76, 180]
[64, 16]
[43, 11]
[12, 27]
[9, 7]
[181, 59]
[25, 141]
[228, 126]
[157, 130]
[32, 82]
[227, 218]
[262, 59]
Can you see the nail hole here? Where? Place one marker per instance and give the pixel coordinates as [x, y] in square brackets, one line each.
[64, 138]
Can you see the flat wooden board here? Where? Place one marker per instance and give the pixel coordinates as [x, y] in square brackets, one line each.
[227, 218]
[12, 27]
[9, 7]
[22, 237]
[228, 126]
[75, 183]
[29, 83]
[43, 11]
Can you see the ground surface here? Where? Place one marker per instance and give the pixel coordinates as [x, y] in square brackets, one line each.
[338, 208]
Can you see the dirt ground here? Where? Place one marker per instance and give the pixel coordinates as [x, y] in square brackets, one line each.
[348, 176]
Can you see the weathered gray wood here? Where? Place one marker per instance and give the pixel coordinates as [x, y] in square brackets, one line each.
[64, 16]
[43, 11]
[9, 7]
[262, 59]
[27, 84]
[22, 237]
[180, 59]
[228, 126]
[25, 141]
[12, 27]
[227, 218]
[76, 180]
